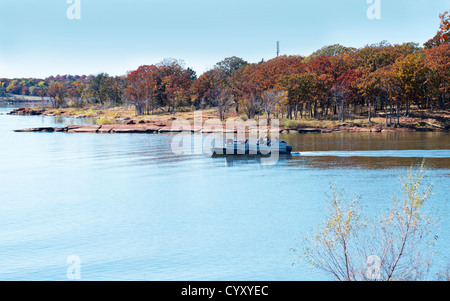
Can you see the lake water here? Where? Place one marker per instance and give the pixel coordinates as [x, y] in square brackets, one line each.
[130, 209]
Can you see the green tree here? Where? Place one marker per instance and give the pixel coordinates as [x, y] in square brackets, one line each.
[2, 89]
[330, 50]
[98, 88]
[230, 64]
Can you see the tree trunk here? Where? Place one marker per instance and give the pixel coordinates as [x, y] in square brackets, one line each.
[375, 108]
[398, 113]
[386, 111]
[407, 108]
[315, 109]
[335, 108]
[390, 113]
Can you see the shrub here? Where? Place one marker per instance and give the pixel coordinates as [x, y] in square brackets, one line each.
[243, 117]
[291, 124]
[105, 120]
[397, 245]
[73, 103]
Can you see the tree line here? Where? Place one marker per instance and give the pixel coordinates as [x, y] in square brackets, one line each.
[335, 82]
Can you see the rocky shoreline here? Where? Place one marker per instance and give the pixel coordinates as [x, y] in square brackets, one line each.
[26, 112]
[161, 129]
[151, 129]
[155, 127]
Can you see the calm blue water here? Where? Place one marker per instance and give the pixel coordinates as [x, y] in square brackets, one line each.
[132, 210]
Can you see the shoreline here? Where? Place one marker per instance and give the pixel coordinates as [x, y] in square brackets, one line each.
[163, 124]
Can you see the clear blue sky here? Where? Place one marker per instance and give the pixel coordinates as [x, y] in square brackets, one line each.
[38, 40]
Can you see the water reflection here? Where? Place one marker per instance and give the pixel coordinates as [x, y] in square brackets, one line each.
[296, 161]
[384, 150]
[317, 151]
[236, 160]
[368, 141]
[368, 162]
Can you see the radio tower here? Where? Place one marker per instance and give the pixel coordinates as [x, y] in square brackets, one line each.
[278, 48]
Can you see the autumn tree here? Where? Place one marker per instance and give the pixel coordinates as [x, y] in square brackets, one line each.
[176, 81]
[207, 88]
[166, 84]
[74, 96]
[323, 67]
[409, 74]
[443, 34]
[307, 84]
[371, 86]
[345, 91]
[141, 86]
[204, 90]
[372, 61]
[270, 100]
[323, 94]
[335, 81]
[438, 58]
[290, 84]
[264, 76]
[57, 94]
[224, 99]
